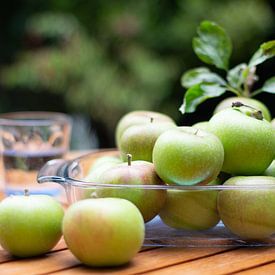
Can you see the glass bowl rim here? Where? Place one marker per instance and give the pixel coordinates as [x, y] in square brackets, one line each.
[89, 184]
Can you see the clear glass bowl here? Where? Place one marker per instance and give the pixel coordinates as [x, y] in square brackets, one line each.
[71, 175]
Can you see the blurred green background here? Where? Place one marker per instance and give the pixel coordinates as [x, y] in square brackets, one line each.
[97, 60]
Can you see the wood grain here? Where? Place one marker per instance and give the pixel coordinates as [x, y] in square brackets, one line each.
[224, 263]
[149, 260]
[267, 269]
[6, 257]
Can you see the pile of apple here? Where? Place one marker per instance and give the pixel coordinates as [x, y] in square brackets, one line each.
[237, 144]
[107, 227]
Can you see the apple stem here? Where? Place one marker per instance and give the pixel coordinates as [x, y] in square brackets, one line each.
[237, 104]
[151, 119]
[196, 131]
[26, 192]
[256, 113]
[129, 159]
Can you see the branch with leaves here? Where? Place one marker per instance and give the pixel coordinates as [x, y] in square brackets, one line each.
[213, 46]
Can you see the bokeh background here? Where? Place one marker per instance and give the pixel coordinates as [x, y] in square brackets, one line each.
[98, 59]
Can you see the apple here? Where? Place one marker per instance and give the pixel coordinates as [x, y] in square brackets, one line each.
[227, 103]
[191, 210]
[100, 165]
[188, 156]
[247, 138]
[139, 140]
[30, 225]
[137, 118]
[273, 123]
[103, 232]
[104, 160]
[249, 213]
[148, 201]
[203, 125]
[270, 171]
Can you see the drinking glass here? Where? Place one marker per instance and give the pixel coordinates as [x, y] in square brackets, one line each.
[28, 141]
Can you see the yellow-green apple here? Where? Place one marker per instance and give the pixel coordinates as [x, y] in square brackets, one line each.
[103, 232]
[247, 138]
[273, 123]
[270, 171]
[203, 125]
[249, 213]
[227, 103]
[105, 160]
[100, 165]
[137, 118]
[148, 201]
[139, 140]
[191, 210]
[30, 225]
[188, 156]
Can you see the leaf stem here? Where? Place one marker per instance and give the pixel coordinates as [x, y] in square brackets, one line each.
[249, 81]
[233, 90]
[256, 92]
[246, 90]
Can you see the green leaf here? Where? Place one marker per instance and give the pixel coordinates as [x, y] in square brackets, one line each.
[198, 94]
[199, 75]
[235, 76]
[269, 86]
[213, 46]
[266, 51]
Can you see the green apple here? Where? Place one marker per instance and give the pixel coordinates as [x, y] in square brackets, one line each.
[30, 225]
[100, 165]
[227, 103]
[203, 125]
[249, 213]
[270, 171]
[137, 118]
[188, 156]
[103, 232]
[105, 160]
[273, 123]
[248, 140]
[148, 201]
[139, 140]
[191, 210]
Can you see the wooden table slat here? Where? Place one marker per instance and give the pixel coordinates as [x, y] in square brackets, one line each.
[149, 260]
[39, 265]
[6, 257]
[267, 269]
[224, 263]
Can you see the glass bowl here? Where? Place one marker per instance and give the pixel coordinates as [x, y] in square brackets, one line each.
[72, 174]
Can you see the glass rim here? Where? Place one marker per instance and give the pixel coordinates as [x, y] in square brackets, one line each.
[33, 118]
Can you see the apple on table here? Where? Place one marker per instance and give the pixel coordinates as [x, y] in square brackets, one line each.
[30, 225]
[103, 232]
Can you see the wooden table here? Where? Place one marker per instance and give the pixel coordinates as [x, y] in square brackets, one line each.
[150, 260]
